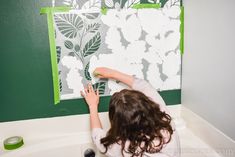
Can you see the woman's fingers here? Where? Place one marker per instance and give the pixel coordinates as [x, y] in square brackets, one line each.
[90, 88]
[86, 91]
[97, 92]
[91, 97]
[83, 94]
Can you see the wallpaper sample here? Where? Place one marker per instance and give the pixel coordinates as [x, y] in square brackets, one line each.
[143, 43]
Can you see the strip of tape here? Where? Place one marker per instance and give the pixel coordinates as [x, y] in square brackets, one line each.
[46, 10]
[182, 30]
[145, 6]
[49, 11]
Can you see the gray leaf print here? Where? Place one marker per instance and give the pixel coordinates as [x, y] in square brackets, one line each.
[68, 24]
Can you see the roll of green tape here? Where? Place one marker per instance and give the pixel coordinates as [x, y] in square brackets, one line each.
[13, 142]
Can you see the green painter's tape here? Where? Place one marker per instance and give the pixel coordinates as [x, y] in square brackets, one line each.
[182, 30]
[53, 57]
[46, 10]
[144, 6]
[49, 11]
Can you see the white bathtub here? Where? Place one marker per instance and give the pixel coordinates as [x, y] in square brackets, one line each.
[73, 145]
[70, 136]
[55, 137]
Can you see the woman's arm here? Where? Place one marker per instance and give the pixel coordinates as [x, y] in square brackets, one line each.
[134, 83]
[92, 99]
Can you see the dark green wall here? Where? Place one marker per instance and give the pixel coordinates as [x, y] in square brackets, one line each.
[25, 69]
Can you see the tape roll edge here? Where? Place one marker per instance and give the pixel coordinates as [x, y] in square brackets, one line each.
[12, 146]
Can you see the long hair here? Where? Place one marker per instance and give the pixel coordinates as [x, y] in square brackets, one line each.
[138, 122]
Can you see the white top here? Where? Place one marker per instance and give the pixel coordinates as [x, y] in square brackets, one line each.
[171, 149]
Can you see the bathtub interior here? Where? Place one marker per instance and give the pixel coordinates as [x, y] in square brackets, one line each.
[77, 145]
[75, 142]
[74, 145]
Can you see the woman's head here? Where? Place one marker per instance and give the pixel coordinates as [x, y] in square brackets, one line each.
[135, 118]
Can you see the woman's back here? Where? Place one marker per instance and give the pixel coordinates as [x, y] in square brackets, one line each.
[138, 129]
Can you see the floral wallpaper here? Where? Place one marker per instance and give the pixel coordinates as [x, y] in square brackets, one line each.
[141, 42]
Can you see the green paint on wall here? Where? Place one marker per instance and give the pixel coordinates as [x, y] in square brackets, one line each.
[70, 107]
[171, 97]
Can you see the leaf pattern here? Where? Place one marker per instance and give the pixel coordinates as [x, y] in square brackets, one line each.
[72, 3]
[92, 4]
[152, 1]
[100, 86]
[171, 3]
[68, 24]
[109, 3]
[60, 82]
[91, 16]
[61, 87]
[86, 72]
[68, 44]
[86, 49]
[71, 54]
[130, 3]
[117, 5]
[92, 46]
[58, 50]
[92, 28]
[163, 2]
[77, 48]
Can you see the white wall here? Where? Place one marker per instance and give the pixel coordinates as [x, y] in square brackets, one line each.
[208, 83]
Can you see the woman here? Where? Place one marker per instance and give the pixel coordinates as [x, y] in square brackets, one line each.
[140, 122]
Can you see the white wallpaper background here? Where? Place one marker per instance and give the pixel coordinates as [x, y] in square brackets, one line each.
[143, 43]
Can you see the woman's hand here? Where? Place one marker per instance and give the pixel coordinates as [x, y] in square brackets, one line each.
[103, 72]
[91, 97]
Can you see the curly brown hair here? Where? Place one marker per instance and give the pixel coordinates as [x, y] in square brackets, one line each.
[136, 119]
